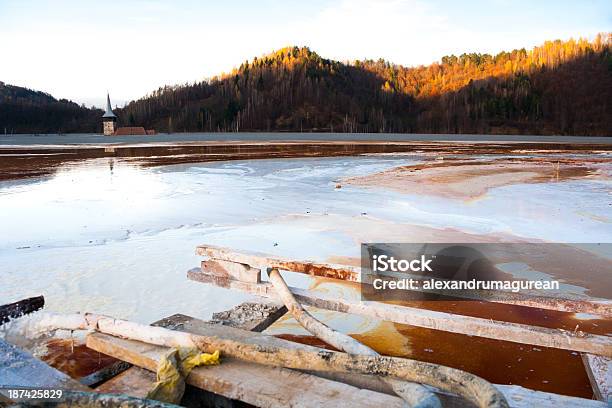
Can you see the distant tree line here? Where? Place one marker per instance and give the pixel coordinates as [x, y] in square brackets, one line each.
[24, 110]
[561, 87]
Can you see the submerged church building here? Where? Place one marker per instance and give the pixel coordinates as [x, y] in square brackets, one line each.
[109, 124]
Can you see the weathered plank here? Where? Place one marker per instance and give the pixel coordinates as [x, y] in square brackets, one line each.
[599, 370]
[253, 316]
[262, 261]
[572, 303]
[256, 384]
[468, 325]
[19, 368]
[20, 308]
[232, 270]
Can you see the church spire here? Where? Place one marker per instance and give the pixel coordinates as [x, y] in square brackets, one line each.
[109, 111]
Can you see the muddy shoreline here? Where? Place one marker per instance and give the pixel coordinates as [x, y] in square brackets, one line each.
[18, 162]
[472, 179]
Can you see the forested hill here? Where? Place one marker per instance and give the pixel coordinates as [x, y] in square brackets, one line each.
[557, 88]
[560, 87]
[24, 110]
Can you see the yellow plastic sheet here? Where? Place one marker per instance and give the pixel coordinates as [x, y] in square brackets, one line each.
[172, 370]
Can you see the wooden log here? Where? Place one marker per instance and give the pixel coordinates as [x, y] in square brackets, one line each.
[468, 325]
[599, 370]
[252, 383]
[20, 308]
[19, 369]
[571, 303]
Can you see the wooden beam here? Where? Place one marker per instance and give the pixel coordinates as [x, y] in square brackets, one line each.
[19, 369]
[262, 261]
[571, 303]
[20, 308]
[266, 386]
[232, 270]
[468, 325]
[557, 300]
[599, 370]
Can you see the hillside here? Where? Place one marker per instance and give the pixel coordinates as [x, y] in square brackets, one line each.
[24, 110]
[561, 87]
[557, 88]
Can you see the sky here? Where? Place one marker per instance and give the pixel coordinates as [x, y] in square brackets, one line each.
[79, 49]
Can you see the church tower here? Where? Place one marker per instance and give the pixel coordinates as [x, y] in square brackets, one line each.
[109, 120]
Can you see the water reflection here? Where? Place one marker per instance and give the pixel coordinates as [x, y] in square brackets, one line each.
[114, 237]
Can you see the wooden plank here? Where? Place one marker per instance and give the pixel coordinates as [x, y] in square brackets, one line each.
[571, 303]
[519, 397]
[19, 369]
[137, 382]
[275, 387]
[262, 261]
[232, 270]
[468, 325]
[557, 300]
[20, 308]
[254, 384]
[599, 370]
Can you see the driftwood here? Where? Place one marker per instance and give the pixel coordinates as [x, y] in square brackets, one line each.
[468, 325]
[471, 387]
[20, 308]
[414, 394]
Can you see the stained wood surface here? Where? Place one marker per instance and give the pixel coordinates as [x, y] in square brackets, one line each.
[263, 261]
[468, 325]
[19, 368]
[254, 383]
[599, 370]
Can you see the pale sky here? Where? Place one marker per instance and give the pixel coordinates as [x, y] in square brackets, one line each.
[79, 49]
